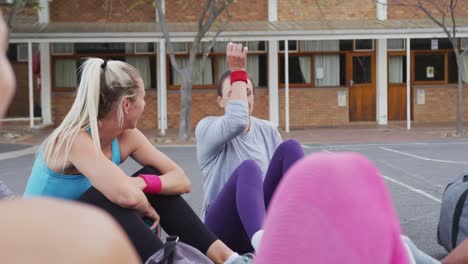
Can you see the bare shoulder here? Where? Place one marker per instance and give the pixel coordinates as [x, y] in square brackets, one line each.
[83, 140]
[130, 139]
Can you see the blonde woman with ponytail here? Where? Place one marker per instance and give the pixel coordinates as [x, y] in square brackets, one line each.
[80, 161]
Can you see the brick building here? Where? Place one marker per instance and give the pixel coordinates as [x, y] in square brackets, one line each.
[348, 60]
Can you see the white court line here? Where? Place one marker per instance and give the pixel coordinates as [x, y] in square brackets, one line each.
[422, 144]
[19, 153]
[423, 193]
[306, 147]
[423, 158]
[326, 151]
[410, 173]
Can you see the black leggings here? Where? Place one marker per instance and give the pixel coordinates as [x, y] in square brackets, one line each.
[177, 218]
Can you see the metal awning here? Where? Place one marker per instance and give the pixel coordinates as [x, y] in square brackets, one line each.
[25, 31]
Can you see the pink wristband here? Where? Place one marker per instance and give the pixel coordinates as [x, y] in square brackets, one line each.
[153, 183]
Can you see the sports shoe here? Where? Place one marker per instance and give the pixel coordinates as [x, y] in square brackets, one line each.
[244, 259]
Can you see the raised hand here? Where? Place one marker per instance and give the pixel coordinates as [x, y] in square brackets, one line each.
[236, 56]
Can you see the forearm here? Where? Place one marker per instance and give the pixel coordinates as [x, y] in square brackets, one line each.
[459, 255]
[175, 182]
[239, 91]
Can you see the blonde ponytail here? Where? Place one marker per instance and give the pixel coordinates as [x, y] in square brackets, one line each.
[100, 87]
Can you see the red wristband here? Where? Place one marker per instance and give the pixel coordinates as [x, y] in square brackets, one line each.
[153, 183]
[238, 76]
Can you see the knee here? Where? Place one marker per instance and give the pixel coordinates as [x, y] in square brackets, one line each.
[291, 146]
[249, 165]
[249, 171]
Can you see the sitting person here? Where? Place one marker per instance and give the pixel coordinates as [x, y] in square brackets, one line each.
[241, 158]
[48, 230]
[57, 231]
[80, 161]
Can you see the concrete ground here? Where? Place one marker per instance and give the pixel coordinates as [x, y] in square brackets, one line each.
[416, 169]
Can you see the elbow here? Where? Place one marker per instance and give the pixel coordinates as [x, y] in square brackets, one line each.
[241, 125]
[186, 185]
[127, 199]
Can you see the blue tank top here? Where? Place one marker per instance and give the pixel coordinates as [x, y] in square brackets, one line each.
[46, 182]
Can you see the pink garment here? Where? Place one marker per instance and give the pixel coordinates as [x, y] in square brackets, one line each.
[332, 209]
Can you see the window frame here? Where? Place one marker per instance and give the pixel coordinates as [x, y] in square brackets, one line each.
[96, 55]
[396, 50]
[429, 52]
[52, 50]
[19, 48]
[312, 61]
[363, 50]
[215, 57]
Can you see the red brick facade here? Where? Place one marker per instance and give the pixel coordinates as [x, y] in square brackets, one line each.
[19, 107]
[241, 10]
[313, 107]
[292, 10]
[62, 101]
[101, 11]
[440, 104]
[309, 107]
[397, 12]
[322, 107]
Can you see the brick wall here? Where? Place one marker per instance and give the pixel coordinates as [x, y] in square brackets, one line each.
[19, 107]
[440, 104]
[29, 12]
[293, 10]
[308, 107]
[204, 103]
[62, 101]
[314, 108]
[100, 11]
[241, 10]
[398, 12]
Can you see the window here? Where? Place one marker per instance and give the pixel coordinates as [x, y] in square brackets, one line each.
[179, 47]
[363, 44]
[452, 68]
[292, 45]
[65, 72]
[11, 52]
[429, 67]
[464, 43]
[144, 48]
[216, 64]
[346, 45]
[62, 48]
[396, 44]
[22, 53]
[428, 44]
[397, 69]
[99, 48]
[68, 57]
[317, 63]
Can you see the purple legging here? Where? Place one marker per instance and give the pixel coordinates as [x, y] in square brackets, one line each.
[239, 210]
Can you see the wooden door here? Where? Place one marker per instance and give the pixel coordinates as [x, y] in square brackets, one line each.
[396, 96]
[361, 80]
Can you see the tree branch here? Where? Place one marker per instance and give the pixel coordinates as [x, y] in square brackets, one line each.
[163, 25]
[453, 4]
[431, 17]
[213, 14]
[12, 15]
[210, 46]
